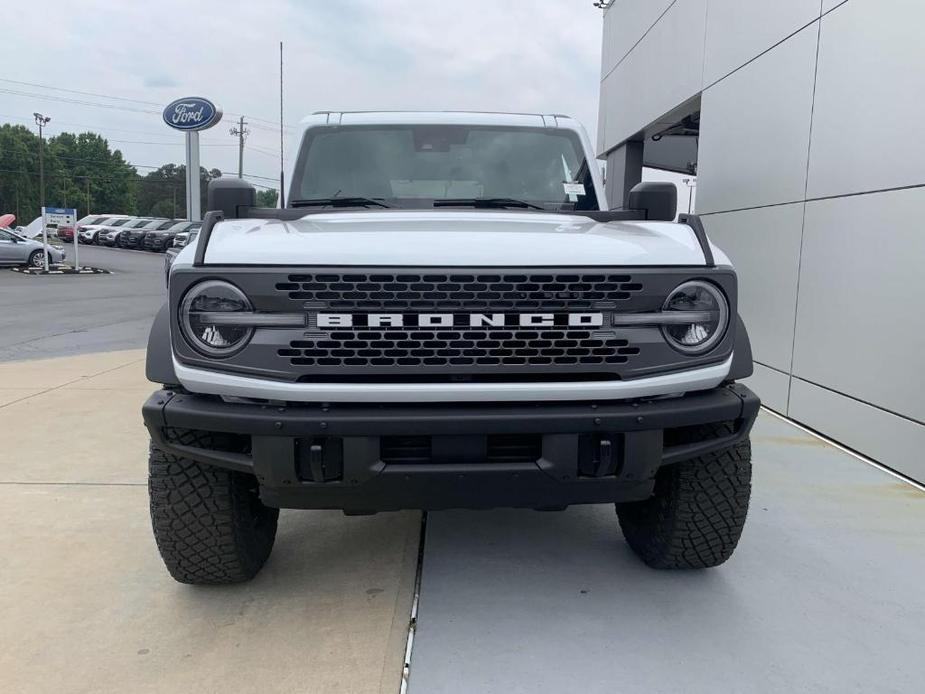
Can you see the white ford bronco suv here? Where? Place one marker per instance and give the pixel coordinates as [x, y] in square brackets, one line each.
[447, 314]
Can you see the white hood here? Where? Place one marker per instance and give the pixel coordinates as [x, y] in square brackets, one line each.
[452, 238]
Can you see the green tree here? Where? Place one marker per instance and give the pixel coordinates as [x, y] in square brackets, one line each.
[19, 165]
[86, 159]
[72, 163]
[162, 192]
[267, 198]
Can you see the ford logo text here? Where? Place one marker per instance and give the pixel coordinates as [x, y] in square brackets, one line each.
[459, 320]
[192, 113]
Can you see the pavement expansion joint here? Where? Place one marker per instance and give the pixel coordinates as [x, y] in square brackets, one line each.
[413, 620]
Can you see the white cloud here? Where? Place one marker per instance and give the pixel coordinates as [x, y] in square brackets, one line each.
[515, 55]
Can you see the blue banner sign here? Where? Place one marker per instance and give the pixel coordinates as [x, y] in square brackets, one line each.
[192, 113]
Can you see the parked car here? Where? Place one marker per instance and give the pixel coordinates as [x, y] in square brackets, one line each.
[162, 239]
[19, 250]
[134, 237]
[64, 233]
[33, 230]
[184, 238]
[88, 229]
[110, 234]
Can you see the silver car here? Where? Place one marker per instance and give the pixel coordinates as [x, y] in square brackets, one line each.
[18, 250]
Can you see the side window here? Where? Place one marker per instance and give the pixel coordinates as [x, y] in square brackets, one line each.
[5, 236]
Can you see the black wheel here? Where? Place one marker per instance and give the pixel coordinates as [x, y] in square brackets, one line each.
[37, 259]
[209, 524]
[696, 516]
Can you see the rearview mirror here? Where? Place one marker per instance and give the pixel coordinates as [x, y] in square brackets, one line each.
[658, 199]
[229, 196]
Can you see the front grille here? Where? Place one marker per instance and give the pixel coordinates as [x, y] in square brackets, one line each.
[366, 324]
[468, 347]
[460, 349]
[461, 292]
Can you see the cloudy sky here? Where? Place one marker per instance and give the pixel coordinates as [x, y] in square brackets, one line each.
[506, 55]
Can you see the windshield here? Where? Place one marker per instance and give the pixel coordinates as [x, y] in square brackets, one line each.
[414, 165]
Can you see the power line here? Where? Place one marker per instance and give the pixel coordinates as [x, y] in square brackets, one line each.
[4, 90]
[77, 91]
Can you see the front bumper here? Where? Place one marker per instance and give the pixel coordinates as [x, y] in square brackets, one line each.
[356, 457]
[156, 244]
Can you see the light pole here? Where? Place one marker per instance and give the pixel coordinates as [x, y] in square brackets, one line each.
[42, 121]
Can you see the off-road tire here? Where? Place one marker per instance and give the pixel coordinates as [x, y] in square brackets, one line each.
[696, 516]
[209, 524]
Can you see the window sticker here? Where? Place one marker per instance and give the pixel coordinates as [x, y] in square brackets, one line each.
[573, 190]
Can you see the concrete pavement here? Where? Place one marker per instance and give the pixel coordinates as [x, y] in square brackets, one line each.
[87, 606]
[824, 593]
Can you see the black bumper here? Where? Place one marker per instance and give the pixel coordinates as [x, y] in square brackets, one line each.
[364, 458]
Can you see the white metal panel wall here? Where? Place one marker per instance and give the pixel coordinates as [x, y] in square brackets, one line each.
[870, 97]
[772, 385]
[661, 71]
[625, 23]
[860, 322]
[764, 246]
[754, 130]
[895, 441]
[738, 31]
[806, 135]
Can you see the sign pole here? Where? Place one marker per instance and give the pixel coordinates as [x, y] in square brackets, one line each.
[45, 238]
[191, 115]
[76, 244]
[193, 205]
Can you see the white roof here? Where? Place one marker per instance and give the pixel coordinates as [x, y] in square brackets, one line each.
[528, 120]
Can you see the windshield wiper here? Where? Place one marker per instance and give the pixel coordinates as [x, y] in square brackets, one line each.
[341, 202]
[486, 202]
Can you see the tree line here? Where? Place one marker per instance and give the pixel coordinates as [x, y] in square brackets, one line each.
[81, 171]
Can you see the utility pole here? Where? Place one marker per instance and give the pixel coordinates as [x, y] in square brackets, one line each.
[241, 132]
[88, 195]
[42, 121]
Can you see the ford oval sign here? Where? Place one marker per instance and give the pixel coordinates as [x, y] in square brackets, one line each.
[192, 113]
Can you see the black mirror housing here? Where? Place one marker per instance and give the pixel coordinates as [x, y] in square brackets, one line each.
[230, 195]
[658, 199]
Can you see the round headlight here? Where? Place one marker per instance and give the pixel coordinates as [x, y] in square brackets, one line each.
[709, 313]
[201, 321]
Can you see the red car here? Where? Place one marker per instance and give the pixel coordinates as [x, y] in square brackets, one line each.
[66, 234]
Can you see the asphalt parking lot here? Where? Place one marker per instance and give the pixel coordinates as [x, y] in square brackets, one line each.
[49, 316]
[823, 595]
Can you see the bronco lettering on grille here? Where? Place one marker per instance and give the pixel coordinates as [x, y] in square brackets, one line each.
[451, 320]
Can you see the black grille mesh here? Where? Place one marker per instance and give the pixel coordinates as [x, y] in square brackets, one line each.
[460, 292]
[469, 347]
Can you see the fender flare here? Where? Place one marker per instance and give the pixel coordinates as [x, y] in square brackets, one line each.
[159, 359]
[742, 366]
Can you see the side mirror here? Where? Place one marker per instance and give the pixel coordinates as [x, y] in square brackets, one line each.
[659, 200]
[229, 195]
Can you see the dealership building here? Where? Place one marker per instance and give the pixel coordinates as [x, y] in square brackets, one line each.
[800, 120]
